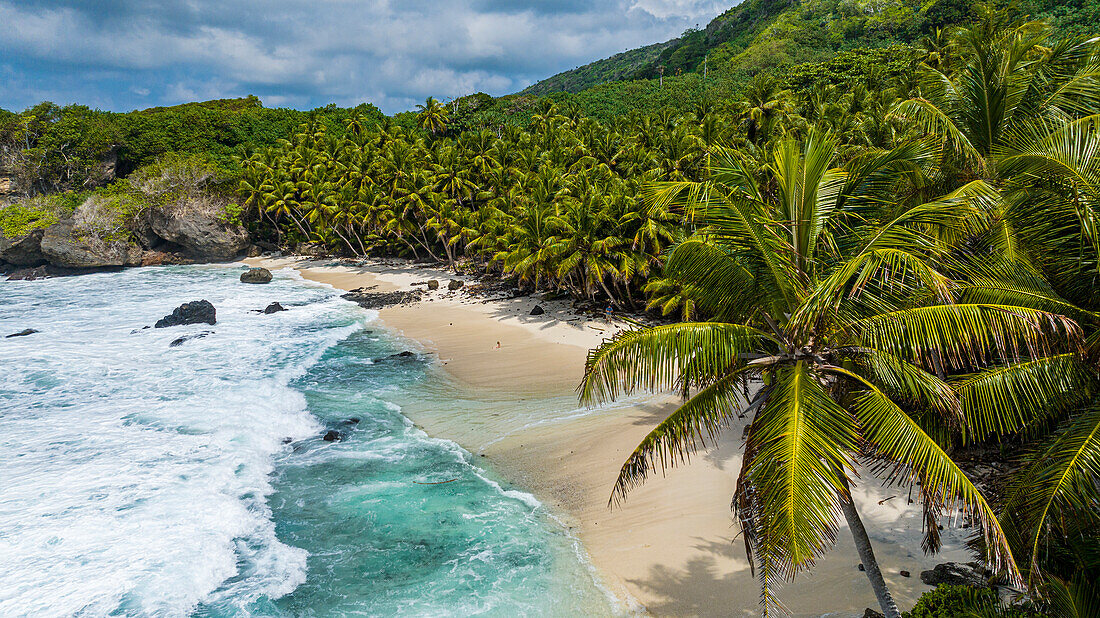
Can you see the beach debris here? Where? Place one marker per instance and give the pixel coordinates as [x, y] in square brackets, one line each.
[380, 300]
[194, 312]
[332, 436]
[256, 275]
[178, 341]
[22, 333]
[274, 307]
[956, 574]
[455, 284]
[538, 310]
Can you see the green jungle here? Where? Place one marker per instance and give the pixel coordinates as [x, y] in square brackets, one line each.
[885, 212]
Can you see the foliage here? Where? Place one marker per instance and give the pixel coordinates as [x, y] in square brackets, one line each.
[954, 602]
[20, 219]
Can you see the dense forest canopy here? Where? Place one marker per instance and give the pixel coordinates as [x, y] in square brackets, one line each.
[901, 199]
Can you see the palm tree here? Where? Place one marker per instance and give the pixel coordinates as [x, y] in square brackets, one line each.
[837, 305]
[432, 116]
[1009, 81]
[763, 104]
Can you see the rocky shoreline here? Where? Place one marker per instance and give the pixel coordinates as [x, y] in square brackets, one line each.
[156, 237]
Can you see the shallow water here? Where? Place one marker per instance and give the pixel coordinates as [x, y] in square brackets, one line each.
[138, 479]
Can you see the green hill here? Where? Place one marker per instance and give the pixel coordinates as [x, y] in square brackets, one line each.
[767, 35]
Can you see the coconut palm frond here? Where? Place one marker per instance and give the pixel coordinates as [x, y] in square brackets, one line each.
[655, 358]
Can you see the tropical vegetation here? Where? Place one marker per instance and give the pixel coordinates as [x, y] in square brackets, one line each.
[880, 238]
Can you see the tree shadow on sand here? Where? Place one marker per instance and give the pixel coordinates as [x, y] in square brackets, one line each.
[705, 586]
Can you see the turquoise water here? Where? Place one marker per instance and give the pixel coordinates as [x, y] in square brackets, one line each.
[146, 480]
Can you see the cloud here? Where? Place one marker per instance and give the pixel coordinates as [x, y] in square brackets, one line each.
[123, 54]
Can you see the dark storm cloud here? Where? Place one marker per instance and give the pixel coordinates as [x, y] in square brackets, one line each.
[139, 53]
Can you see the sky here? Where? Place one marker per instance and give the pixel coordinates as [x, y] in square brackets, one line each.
[121, 55]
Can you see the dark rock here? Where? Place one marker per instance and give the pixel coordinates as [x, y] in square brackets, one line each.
[254, 251]
[955, 574]
[199, 231]
[401, 355]
[23, 251]
[351, 421]
[287, 440]
[266, 246]
[194, 312]
[144, 234]
[29, 274]
[433, 284]
[256, 275]
[311, 249]
[455, 284]
[22, 333]
[870, 613]
[332, 436]
[861, 567]
[274, 308]
[179, 340]
[379, 300]
[538, 310]
[63, 244]
[905, 573]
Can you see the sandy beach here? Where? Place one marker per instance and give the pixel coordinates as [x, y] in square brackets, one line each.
[672, 549]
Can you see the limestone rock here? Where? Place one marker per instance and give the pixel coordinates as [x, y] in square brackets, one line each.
[955, 574]
[30, 274]
[256, 275]
[194, 312]
[64, 245]
[23, 251]
[201, 234]
[433, 284]
[454, 284]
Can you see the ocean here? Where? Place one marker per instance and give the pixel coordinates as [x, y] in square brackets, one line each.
[138, 478]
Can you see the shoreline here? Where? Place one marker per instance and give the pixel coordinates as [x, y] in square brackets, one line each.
[672, 547]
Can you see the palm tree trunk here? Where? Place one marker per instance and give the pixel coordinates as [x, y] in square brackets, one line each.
[867, 557]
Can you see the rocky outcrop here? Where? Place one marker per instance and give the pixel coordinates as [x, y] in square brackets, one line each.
[379, 300]
[30, 274]
[64, 245]
[199, 234]
[256, 275]
[956, 574]
[274, 308]
[194, 312]
[25, 250]
[22, 333]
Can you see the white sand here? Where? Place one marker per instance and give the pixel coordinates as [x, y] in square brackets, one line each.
[672, 548]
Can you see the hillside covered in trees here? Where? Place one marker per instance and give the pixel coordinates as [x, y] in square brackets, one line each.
[898, 198]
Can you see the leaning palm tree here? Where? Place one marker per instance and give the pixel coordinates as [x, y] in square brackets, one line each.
[832, 301]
